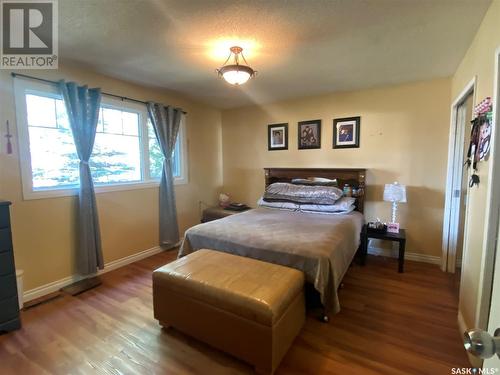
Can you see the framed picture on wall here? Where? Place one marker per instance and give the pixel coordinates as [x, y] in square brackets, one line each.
[309, 134]
[346, 132]
[277, 137]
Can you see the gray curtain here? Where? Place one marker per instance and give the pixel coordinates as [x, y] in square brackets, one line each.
[166, 122]
[82, 106]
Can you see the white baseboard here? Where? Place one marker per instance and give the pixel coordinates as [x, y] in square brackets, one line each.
[56, 285]
[410, 256]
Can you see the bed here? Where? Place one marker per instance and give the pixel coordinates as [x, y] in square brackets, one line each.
[322, 246]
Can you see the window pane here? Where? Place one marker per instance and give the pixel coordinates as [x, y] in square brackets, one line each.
[41, 111]
[130, 123]
[156, 157]
[62, 117]
[100, 126]
[54, 161]
[116, 156]
[112, 120]
[176, 160]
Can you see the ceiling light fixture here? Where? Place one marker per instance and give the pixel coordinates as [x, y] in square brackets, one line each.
[236, 74]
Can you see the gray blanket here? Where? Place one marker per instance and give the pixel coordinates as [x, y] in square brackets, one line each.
[322, 246]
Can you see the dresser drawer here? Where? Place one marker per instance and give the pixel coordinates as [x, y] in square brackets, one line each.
[6, 263]
[4, 217]
[5, 240]
[9, 309]
[8, 287]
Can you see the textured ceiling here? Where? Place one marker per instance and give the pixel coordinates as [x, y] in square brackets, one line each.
[300, 48]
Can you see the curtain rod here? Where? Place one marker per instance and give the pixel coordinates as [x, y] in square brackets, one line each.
[103, 93]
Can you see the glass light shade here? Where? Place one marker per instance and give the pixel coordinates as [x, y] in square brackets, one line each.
[395, 193]
[236, 77]
[236, 74]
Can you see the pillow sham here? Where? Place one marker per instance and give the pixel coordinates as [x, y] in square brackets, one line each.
[315, 181]
[350, 209]
[279, 205]
[343, 205]
[304, 194]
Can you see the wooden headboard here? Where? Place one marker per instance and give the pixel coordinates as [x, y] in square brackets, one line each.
[355, 177]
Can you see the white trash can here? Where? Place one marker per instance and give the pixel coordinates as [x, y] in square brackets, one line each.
[20, 291]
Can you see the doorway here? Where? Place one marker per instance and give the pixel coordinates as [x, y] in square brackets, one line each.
[465, 110]
[457, 181]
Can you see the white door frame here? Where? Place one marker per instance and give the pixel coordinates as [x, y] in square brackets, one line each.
[453, 192]
[492, 211]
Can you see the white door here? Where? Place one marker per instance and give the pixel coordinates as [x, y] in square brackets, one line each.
[483, 344]
[494, 315]
[494, 321]
[486, 344]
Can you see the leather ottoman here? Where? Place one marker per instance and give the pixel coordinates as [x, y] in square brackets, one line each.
[245, 307]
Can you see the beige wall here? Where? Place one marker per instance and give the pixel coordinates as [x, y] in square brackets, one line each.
[404, 137]
[478, 62]
[44, 229]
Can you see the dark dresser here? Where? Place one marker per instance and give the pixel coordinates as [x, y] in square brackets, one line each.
[9, 304]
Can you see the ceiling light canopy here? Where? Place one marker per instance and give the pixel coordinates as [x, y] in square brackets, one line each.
[236, 73]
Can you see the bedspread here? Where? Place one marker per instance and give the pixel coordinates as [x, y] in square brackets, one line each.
[322, 246]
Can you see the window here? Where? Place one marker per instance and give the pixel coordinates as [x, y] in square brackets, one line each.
[156, 157]
[53, 156]
[126, 154]
[116, 156]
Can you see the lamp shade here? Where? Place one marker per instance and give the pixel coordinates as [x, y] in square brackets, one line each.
[235, 75]
[395, 192]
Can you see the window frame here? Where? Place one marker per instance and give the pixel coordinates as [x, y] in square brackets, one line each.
[23, 87]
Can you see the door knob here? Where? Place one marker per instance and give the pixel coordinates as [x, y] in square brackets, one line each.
[481, 344]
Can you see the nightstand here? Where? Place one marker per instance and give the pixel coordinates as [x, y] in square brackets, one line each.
[395, 237]
[214, 213]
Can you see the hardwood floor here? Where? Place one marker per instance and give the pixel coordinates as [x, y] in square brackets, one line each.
[390, 323]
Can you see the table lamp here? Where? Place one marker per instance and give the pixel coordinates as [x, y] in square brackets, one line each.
[394, 193]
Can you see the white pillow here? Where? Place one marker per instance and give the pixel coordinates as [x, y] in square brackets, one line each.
[350, 209]
[343, 205]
